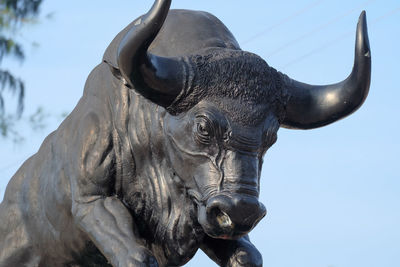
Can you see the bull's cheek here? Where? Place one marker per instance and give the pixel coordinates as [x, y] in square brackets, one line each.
[191, 166]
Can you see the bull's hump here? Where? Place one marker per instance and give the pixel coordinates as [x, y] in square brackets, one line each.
[185, 32]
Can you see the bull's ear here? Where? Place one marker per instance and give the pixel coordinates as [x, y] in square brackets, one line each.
[313, 106]
[158, 79]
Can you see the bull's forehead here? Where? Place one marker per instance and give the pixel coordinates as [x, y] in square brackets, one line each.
[242, 114]
[241, 78]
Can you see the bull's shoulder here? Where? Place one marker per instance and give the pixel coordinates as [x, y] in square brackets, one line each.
[91, 154]
[87, 138]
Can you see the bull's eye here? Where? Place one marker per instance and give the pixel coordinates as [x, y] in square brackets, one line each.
[203, 130]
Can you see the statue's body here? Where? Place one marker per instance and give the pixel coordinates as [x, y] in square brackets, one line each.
[163, 153]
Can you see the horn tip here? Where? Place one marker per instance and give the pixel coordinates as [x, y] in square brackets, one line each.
[363, 19]
[362, 34]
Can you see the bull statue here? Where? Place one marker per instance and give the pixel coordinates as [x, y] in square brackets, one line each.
[163, 153]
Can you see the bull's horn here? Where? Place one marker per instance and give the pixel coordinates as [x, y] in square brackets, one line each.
[312, 106]
[156, 78]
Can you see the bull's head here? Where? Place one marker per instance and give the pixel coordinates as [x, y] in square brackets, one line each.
[224, 109]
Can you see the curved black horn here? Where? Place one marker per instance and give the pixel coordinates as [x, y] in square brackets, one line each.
[156, 78]
[312, 106]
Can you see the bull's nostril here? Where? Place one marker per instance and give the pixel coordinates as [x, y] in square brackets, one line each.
[224, 221]
[230, 217]
[217, 214]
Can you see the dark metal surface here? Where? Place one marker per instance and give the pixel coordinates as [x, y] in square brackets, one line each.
[163, 153]
[315, 106]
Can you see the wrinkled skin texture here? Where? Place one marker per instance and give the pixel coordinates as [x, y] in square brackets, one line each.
[99, 202]
[123, 182]
[163, 153]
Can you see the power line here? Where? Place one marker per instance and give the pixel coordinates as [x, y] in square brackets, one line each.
[330, 43]
[283, 21]
[339, 38]
[384, 16]
[319, 28]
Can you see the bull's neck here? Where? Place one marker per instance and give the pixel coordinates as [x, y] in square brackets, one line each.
[161, 209]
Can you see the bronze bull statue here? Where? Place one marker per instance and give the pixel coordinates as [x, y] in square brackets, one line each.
[163, 153]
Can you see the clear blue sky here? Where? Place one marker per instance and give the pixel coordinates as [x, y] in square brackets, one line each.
[332, 194]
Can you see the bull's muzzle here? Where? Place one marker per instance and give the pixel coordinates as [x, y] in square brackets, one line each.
[230, 216]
